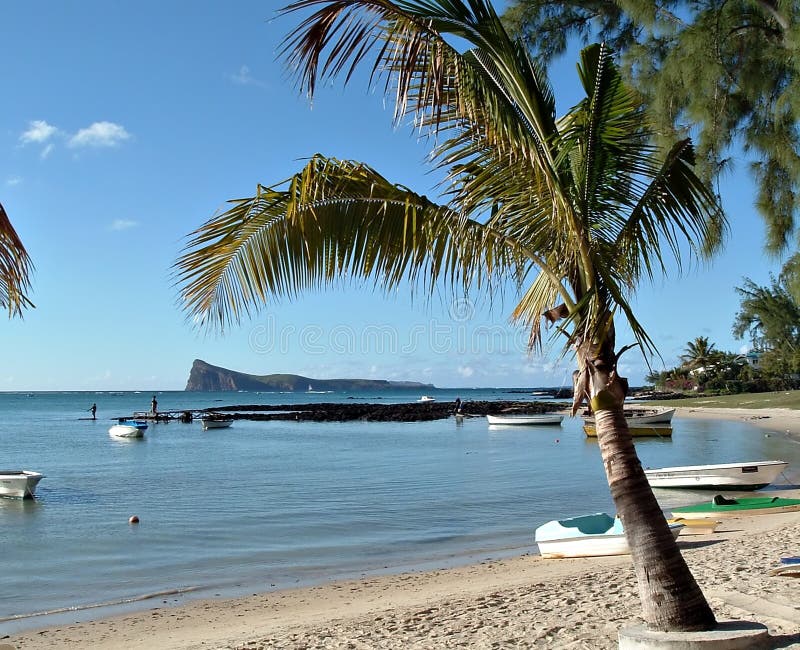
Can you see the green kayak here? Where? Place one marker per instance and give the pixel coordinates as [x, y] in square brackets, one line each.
[719, 506]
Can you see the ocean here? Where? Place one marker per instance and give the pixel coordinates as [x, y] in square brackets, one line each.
[268, 505]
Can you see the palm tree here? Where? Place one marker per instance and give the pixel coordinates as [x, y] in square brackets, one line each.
[700, 353]
[577, 211]
[15, 268]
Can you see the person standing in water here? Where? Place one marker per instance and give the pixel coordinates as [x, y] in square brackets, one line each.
[93, 410]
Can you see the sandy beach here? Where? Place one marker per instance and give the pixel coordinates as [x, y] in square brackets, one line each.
[520, 602]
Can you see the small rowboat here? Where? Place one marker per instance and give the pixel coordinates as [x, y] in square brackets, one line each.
[525, 419]
[216, 423]
[726, 476]
[19, 483]
[126, 431]
[719, 506]
[639, 417]
[659, 430]
[695, 526]
[585, 536]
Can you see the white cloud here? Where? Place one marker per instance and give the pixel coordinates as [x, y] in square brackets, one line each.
[99, 134]
[38, 131]
[466, 371]
[46, 151]
[123, 224]
[13, 180]
[244, 78]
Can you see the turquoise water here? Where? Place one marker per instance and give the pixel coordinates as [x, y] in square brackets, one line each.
[266, 505]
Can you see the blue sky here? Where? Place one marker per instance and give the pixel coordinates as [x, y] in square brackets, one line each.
[126, 125]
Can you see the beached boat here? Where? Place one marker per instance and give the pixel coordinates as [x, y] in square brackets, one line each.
[639, 417]
[216, 422]
[19, 483]
[695, 526]
[657, 429]
[525, 419]
[719, 506]
[726, 476]
[125, 431]
[585, 536]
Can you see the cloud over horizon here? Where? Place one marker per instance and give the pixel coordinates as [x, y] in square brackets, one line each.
[99, 134]
[38, 131]
[123, 224]
[244, 78]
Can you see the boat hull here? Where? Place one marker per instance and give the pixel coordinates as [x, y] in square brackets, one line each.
[658, 417]
[526, 420]
[738, 508]
[727, 476]
[19, 484]
[125, 431]
[695, 526]
[216, 424]
[656, 430]
[587, 536]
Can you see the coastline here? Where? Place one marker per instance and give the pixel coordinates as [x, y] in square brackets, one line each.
[516, 602]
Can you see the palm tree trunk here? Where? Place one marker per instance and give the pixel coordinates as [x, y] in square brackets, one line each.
[671, 599]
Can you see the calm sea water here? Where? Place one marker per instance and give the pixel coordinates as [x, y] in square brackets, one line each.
[266, 505]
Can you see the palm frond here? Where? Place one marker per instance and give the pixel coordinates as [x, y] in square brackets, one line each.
[333, 219]
[15, 269]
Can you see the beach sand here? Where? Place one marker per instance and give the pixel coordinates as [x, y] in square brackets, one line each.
[522, 602]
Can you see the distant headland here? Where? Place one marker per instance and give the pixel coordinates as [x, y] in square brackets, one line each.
[205, 377]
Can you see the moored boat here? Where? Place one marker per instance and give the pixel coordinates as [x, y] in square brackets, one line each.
[216, 422]
[719, 506]
[585, 536]
[657, 429]
[526, 419]
[427, 398]
[125, 431]
[19, 483]
[139, 424]
[725, 476]
[639, 417]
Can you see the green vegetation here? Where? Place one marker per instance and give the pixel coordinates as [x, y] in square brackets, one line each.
[577, 210]
[770, 317]
[728, 70]
[776, 400]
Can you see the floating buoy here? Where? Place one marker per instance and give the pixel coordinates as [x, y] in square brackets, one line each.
[557, 440]
[133, 520]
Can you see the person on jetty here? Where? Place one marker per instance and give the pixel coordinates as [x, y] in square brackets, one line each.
[93, 410]
[457, 410]
[154, 405]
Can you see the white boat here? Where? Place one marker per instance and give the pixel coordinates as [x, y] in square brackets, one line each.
[726, 476]
[216, 423]
[19, 483]
[126, 431]
[638, 417]
[427, 398]
[527, 419]
[585, 536]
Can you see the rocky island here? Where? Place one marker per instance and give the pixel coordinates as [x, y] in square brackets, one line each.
[205, 377]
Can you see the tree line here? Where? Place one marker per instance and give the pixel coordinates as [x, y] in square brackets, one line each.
[769, 319]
